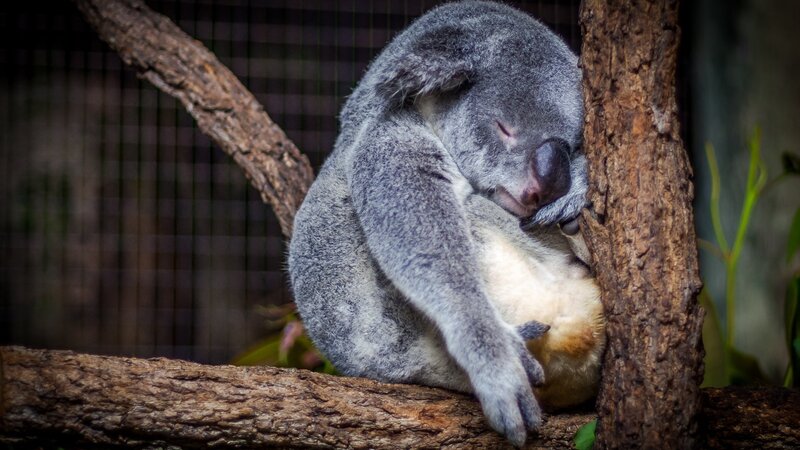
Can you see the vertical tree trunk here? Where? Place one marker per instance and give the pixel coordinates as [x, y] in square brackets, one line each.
[640, 226]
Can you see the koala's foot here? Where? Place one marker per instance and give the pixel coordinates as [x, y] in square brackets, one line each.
[505, 393]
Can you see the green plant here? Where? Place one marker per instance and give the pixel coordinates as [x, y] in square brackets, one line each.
[725, 364]
[287, 346]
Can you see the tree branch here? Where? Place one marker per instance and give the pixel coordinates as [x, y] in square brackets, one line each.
[224, 109]
[52, 397]
[68, 398]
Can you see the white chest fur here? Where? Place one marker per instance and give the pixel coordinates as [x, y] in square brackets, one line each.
[552, 289]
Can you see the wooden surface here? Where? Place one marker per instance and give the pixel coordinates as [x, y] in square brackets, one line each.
[60, 398]
[640, 227]
[67, 398]
[224, 109]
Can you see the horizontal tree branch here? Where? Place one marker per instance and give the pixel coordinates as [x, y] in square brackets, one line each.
[51, 397]
[224, 109]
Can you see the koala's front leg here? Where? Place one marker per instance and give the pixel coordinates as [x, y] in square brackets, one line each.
[404, 189]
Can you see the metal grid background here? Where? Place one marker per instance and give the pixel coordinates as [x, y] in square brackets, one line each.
[122, 229]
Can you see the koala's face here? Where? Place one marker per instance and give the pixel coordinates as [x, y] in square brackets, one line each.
[515, 129]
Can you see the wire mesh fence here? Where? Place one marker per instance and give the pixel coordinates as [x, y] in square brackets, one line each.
[122, 229]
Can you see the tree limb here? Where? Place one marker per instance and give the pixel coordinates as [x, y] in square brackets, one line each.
[224, 109]
[52, 397]
[75, 398]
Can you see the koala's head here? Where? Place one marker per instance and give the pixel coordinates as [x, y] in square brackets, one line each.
[503, 94]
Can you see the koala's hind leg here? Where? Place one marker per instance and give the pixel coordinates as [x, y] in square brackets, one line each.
[351, 311]
[370, 331]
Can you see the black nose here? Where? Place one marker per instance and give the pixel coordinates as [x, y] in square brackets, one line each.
[550, 166]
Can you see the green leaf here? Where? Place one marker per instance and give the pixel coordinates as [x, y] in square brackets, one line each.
[714, 360]
[584, 438]
[719, 234]
[790, 163]
[756, 180]
[794, 236]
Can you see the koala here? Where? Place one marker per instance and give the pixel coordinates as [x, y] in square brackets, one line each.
[427, 250]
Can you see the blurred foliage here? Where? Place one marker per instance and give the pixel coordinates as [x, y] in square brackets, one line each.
[287, 345]
[725, 364]
[792, 307]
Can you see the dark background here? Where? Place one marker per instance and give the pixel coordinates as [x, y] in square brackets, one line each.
[123, 230]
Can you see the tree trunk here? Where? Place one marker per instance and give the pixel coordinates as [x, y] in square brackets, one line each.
[224, 109]
[640, 227]
[60, 398]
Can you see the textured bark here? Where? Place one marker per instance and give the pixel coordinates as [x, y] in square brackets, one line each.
[60, 398]
[224, 109]
[772, 418]
[640, 226]
[73, 399]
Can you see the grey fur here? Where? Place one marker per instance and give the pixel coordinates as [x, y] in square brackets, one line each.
[384, 257]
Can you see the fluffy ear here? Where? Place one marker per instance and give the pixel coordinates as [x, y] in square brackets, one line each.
[435, 62]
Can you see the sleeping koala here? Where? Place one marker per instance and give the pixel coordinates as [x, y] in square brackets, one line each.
[408, 260]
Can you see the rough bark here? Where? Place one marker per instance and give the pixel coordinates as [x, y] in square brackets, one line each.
[50, 397]
[224, 109]
[640, 226]
[75, 399]
[772, 418]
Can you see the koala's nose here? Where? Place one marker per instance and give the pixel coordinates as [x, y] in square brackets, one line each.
[550, 170]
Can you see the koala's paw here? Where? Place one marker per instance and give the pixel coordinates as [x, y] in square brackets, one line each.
[562, 210]
[532, 330]
[506, 397]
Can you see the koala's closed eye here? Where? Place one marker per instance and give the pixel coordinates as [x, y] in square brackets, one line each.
[504, 130]
[506, 133]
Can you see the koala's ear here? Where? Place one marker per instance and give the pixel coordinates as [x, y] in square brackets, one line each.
[435, 63]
